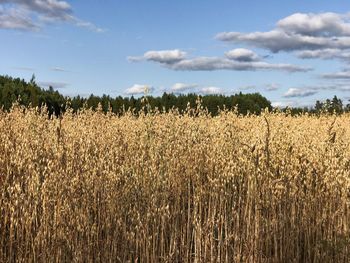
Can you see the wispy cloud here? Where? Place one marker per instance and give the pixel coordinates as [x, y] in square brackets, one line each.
[305, 90]
[247, 87]
[237, 60]
[32, 15]
[58, 69]
[297, 92]
[88, 25]
[272, 86]
[20, 19]
[182, 87]
[327, 53]
[24, 68]
[337, 75]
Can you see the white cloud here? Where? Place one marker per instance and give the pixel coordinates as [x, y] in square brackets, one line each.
[50, 9]
[292, 104]
[88, 25]
[33, 14]
[138, 89]
[297, 92]
[335, 86]
[278, 40]
[242, 54]
[211, 90]
[181, 87]
[344, 88]
[165, 56]
[327, 53]
[337, 75]
[323, 24]
[299, 32]
[240, 60]
[283, 104]
[272, 86]
[217, 63]
[11, 18]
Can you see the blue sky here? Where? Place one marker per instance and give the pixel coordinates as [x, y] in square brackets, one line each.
[292, 52]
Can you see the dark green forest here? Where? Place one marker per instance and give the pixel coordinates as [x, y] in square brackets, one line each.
[30, 94]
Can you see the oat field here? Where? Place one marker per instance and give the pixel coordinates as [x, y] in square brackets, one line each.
[169, 187]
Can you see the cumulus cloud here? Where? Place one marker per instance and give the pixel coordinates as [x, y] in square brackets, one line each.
[299, 32]
[165, 56]
[238, 60]
[323, 24]
[297, 92]
[181, 87]
[242, 54]
[138, 89]
[33, 14]
[211, 90]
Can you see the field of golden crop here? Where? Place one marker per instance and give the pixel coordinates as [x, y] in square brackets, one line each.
[174, 188]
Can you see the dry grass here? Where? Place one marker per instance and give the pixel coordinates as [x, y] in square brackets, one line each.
[170, 188]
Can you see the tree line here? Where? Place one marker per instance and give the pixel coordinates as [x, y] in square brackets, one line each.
[30, 94]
